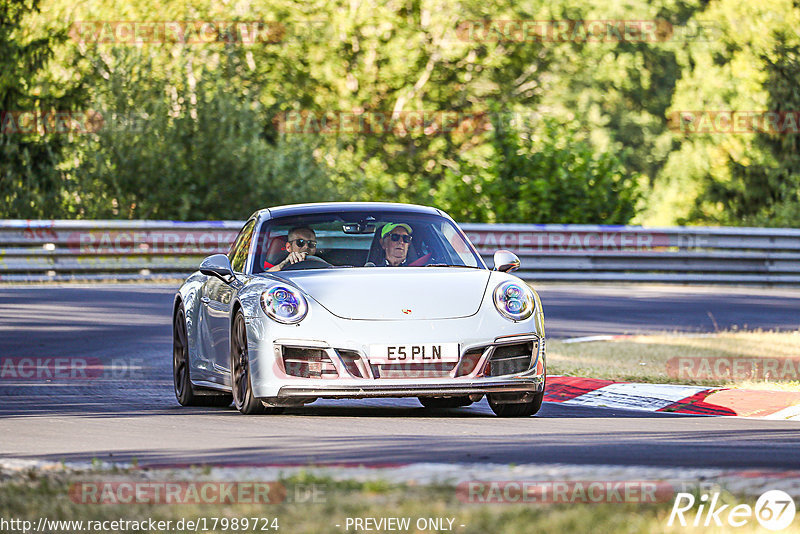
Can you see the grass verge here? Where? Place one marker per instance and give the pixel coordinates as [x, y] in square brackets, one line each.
[739, 359]
[33, 496]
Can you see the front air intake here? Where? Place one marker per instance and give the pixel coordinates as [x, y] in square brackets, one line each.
[308, 363]
[511, 359]
[469, 361]
[352, 362]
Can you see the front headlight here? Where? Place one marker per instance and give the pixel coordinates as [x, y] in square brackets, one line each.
[514, 300]
[284, 304]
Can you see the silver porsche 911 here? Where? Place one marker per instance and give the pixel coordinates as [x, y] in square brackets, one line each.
[357, 300]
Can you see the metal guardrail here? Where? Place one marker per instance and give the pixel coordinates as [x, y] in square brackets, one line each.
[86, 250]
[734, 255]
[66, 250]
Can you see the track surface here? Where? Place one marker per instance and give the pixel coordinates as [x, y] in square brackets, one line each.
[135, 415]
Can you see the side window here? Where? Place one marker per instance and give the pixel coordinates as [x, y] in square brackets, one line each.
[238, 253]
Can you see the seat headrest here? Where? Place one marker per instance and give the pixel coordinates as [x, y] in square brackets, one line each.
[276, 251]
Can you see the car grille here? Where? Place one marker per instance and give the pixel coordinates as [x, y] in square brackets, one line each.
[308, 363]
[511, 359]
[412, 370]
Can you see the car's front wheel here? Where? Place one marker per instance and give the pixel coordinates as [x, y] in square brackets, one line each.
[181, 374]
[241, 385]
[503, 408]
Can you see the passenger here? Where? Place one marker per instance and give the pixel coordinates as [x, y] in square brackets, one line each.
[301, 242]
[395, 239]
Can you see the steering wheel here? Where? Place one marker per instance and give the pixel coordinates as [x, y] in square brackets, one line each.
[311, 262]
[423, 260]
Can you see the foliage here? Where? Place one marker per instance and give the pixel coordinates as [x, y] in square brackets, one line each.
[31, 184]
[741, 178]
[765, 189]
[541, 173]
[193, 130]
[187, 147]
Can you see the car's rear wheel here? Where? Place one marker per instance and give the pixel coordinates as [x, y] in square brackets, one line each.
[181, 373]
[503, 408]
[241, 385]
[445, 402]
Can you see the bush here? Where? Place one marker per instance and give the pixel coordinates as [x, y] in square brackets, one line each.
[539, 173]
[189, 148]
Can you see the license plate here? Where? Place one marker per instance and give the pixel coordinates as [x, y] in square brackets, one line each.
[418, 353]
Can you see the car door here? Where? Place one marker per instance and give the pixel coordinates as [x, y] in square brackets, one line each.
[217, 300]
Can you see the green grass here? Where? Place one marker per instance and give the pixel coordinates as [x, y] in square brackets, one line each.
[33, 495]
[647, 358]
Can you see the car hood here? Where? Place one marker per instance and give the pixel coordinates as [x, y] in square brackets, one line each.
[386, 293]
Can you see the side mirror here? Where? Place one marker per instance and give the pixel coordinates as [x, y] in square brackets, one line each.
[218, 265]
[505, 261]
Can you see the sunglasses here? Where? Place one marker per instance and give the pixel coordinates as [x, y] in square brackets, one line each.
[397, 237]
[303, 242]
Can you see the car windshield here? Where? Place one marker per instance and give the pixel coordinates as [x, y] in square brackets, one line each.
[348, 239]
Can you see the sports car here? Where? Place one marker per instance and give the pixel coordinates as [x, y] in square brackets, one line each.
[357, 300]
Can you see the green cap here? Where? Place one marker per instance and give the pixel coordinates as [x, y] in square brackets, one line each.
[388, 227]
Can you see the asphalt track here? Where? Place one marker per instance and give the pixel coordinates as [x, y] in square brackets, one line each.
[132, 413]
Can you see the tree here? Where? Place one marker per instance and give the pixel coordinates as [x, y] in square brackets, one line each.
[202, 132]
[31, 183]
[765, 191]
[180, 144]
[739, 177]
[540, 173]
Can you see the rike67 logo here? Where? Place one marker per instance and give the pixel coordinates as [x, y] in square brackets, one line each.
[774, 510]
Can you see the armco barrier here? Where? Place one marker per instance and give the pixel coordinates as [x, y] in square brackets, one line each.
[62, 250]
[638, 254]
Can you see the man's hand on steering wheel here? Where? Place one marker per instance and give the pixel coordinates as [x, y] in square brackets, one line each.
[308, 262]
[293, 257]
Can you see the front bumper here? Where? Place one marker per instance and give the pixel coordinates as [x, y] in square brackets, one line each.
[516, 386]
[329, 336]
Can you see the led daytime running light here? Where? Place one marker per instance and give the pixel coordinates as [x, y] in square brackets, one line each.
[514, 301]
[284, 304]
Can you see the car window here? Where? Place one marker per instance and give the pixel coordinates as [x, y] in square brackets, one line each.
[458, 244]
[238, 252]
[353, 240]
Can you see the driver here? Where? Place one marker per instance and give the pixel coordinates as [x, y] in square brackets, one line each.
[395, 239]
[301, 242]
